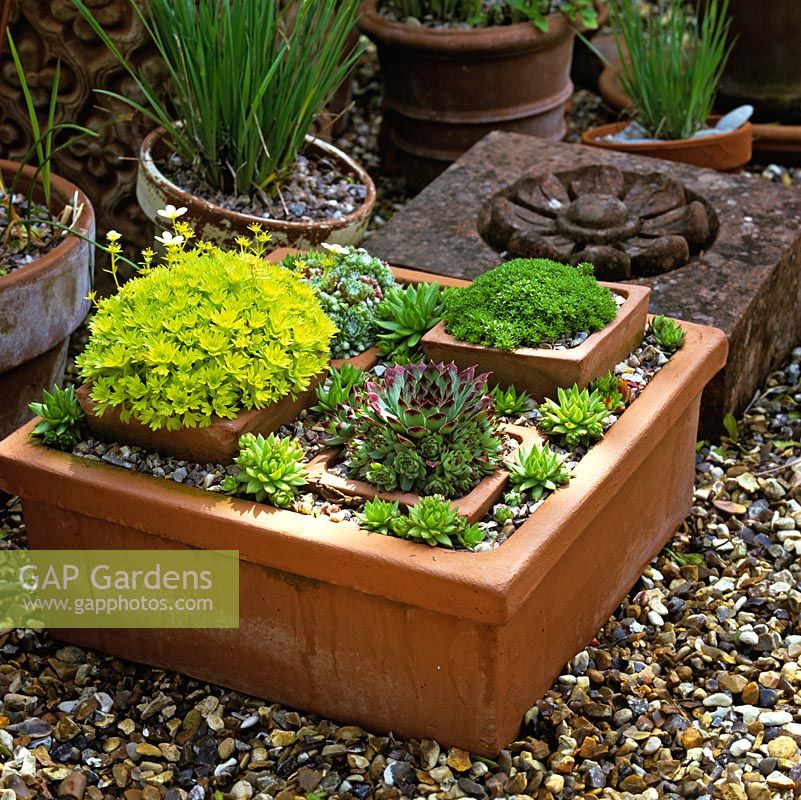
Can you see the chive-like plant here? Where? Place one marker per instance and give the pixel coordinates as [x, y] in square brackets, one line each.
[246, 79]
[674, 62]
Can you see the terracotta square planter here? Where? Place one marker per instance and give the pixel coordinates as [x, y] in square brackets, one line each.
[474, 505]
[541, 371]
[217, 443]
[382, 632]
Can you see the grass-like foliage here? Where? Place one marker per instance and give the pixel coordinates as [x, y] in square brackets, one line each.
[674, 63]
[537, 469]
[575, 417]
[246, 80]
[62, 418]
[269, 469]
[425, 428]
[526, 302]
[350, 284]
[480, 13]
[667, 333]
[208, 333]
[404, 316]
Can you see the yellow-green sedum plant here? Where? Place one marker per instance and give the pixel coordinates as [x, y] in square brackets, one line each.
[204, 333]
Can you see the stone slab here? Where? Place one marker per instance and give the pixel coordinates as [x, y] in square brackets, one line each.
[748, 283]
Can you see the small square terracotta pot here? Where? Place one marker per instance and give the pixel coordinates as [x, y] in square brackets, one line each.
[539, 371]
[474, 505]
[218, 443]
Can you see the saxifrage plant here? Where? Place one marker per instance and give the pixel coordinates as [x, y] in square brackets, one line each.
[525, 302]
[667, 333]
[576, 417]
[205, 333]
[480, 13]
[62, 418]
[269, 469]
[350, 284]
[246, 80]
[425, 428]
[537, 469]
[404, 316]
[675, 59]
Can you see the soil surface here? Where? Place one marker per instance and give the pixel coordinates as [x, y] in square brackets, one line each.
[316, 189]
[15, 249]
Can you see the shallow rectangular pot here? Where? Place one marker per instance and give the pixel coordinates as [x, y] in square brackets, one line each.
[538, 371]
[387, 633]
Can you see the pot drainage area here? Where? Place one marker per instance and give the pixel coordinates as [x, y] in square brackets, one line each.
[625, 223]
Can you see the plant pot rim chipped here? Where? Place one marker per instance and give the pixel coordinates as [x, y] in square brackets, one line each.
[581, 550]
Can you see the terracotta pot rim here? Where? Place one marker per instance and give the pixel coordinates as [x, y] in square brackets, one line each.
[65, 190]
[147, 165]
[594, 135]
[491, 41]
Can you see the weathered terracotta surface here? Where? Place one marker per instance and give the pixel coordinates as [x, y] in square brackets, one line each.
[446, 88]
[748, 282]
[473, 505]
[627, 224]
[725, 152]
[366, 360]
[541, 371]
[217, 224]
[218, 443]
[450, 646]
[45, 301]
[24, 384]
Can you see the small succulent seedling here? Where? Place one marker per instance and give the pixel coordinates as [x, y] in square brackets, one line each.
[405, 315]
[338, 388]
[270, 469]
[537, 469]
[576, 417]
[614, 391]
[62, 418]
[435, 521]
[510, 402]
[667, 333]
[378, 515]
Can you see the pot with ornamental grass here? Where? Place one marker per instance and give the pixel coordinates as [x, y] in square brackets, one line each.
[455, 71]
[46, 264]
[671, 72]
[231, 144]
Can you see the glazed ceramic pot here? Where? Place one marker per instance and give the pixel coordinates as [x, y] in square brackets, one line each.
[41, 304]
[214, 223]
[539, 371]
[447, 645]
[444, 89]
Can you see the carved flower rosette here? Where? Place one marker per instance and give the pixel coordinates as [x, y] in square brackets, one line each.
[626, 224]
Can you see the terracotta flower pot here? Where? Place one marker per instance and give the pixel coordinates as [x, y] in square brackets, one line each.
[771, 142]
[444, 89]
[41, 304]
[538, 371]
[217, 443]
[474, 505]
[725, 152]
[382, 632]
[221, 225]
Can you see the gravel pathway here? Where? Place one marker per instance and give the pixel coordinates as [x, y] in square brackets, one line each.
[692, 689]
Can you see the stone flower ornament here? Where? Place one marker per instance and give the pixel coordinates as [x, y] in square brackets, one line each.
[627, 225]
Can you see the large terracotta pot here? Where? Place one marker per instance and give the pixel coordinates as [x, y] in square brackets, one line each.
[41, 304]
[444, 89]
[217, 224]
[539, 371]
[764, 68]
[725, 152]
[384, 632]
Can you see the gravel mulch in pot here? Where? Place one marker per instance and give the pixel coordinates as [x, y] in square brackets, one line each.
[692, 689]
[18, 252]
